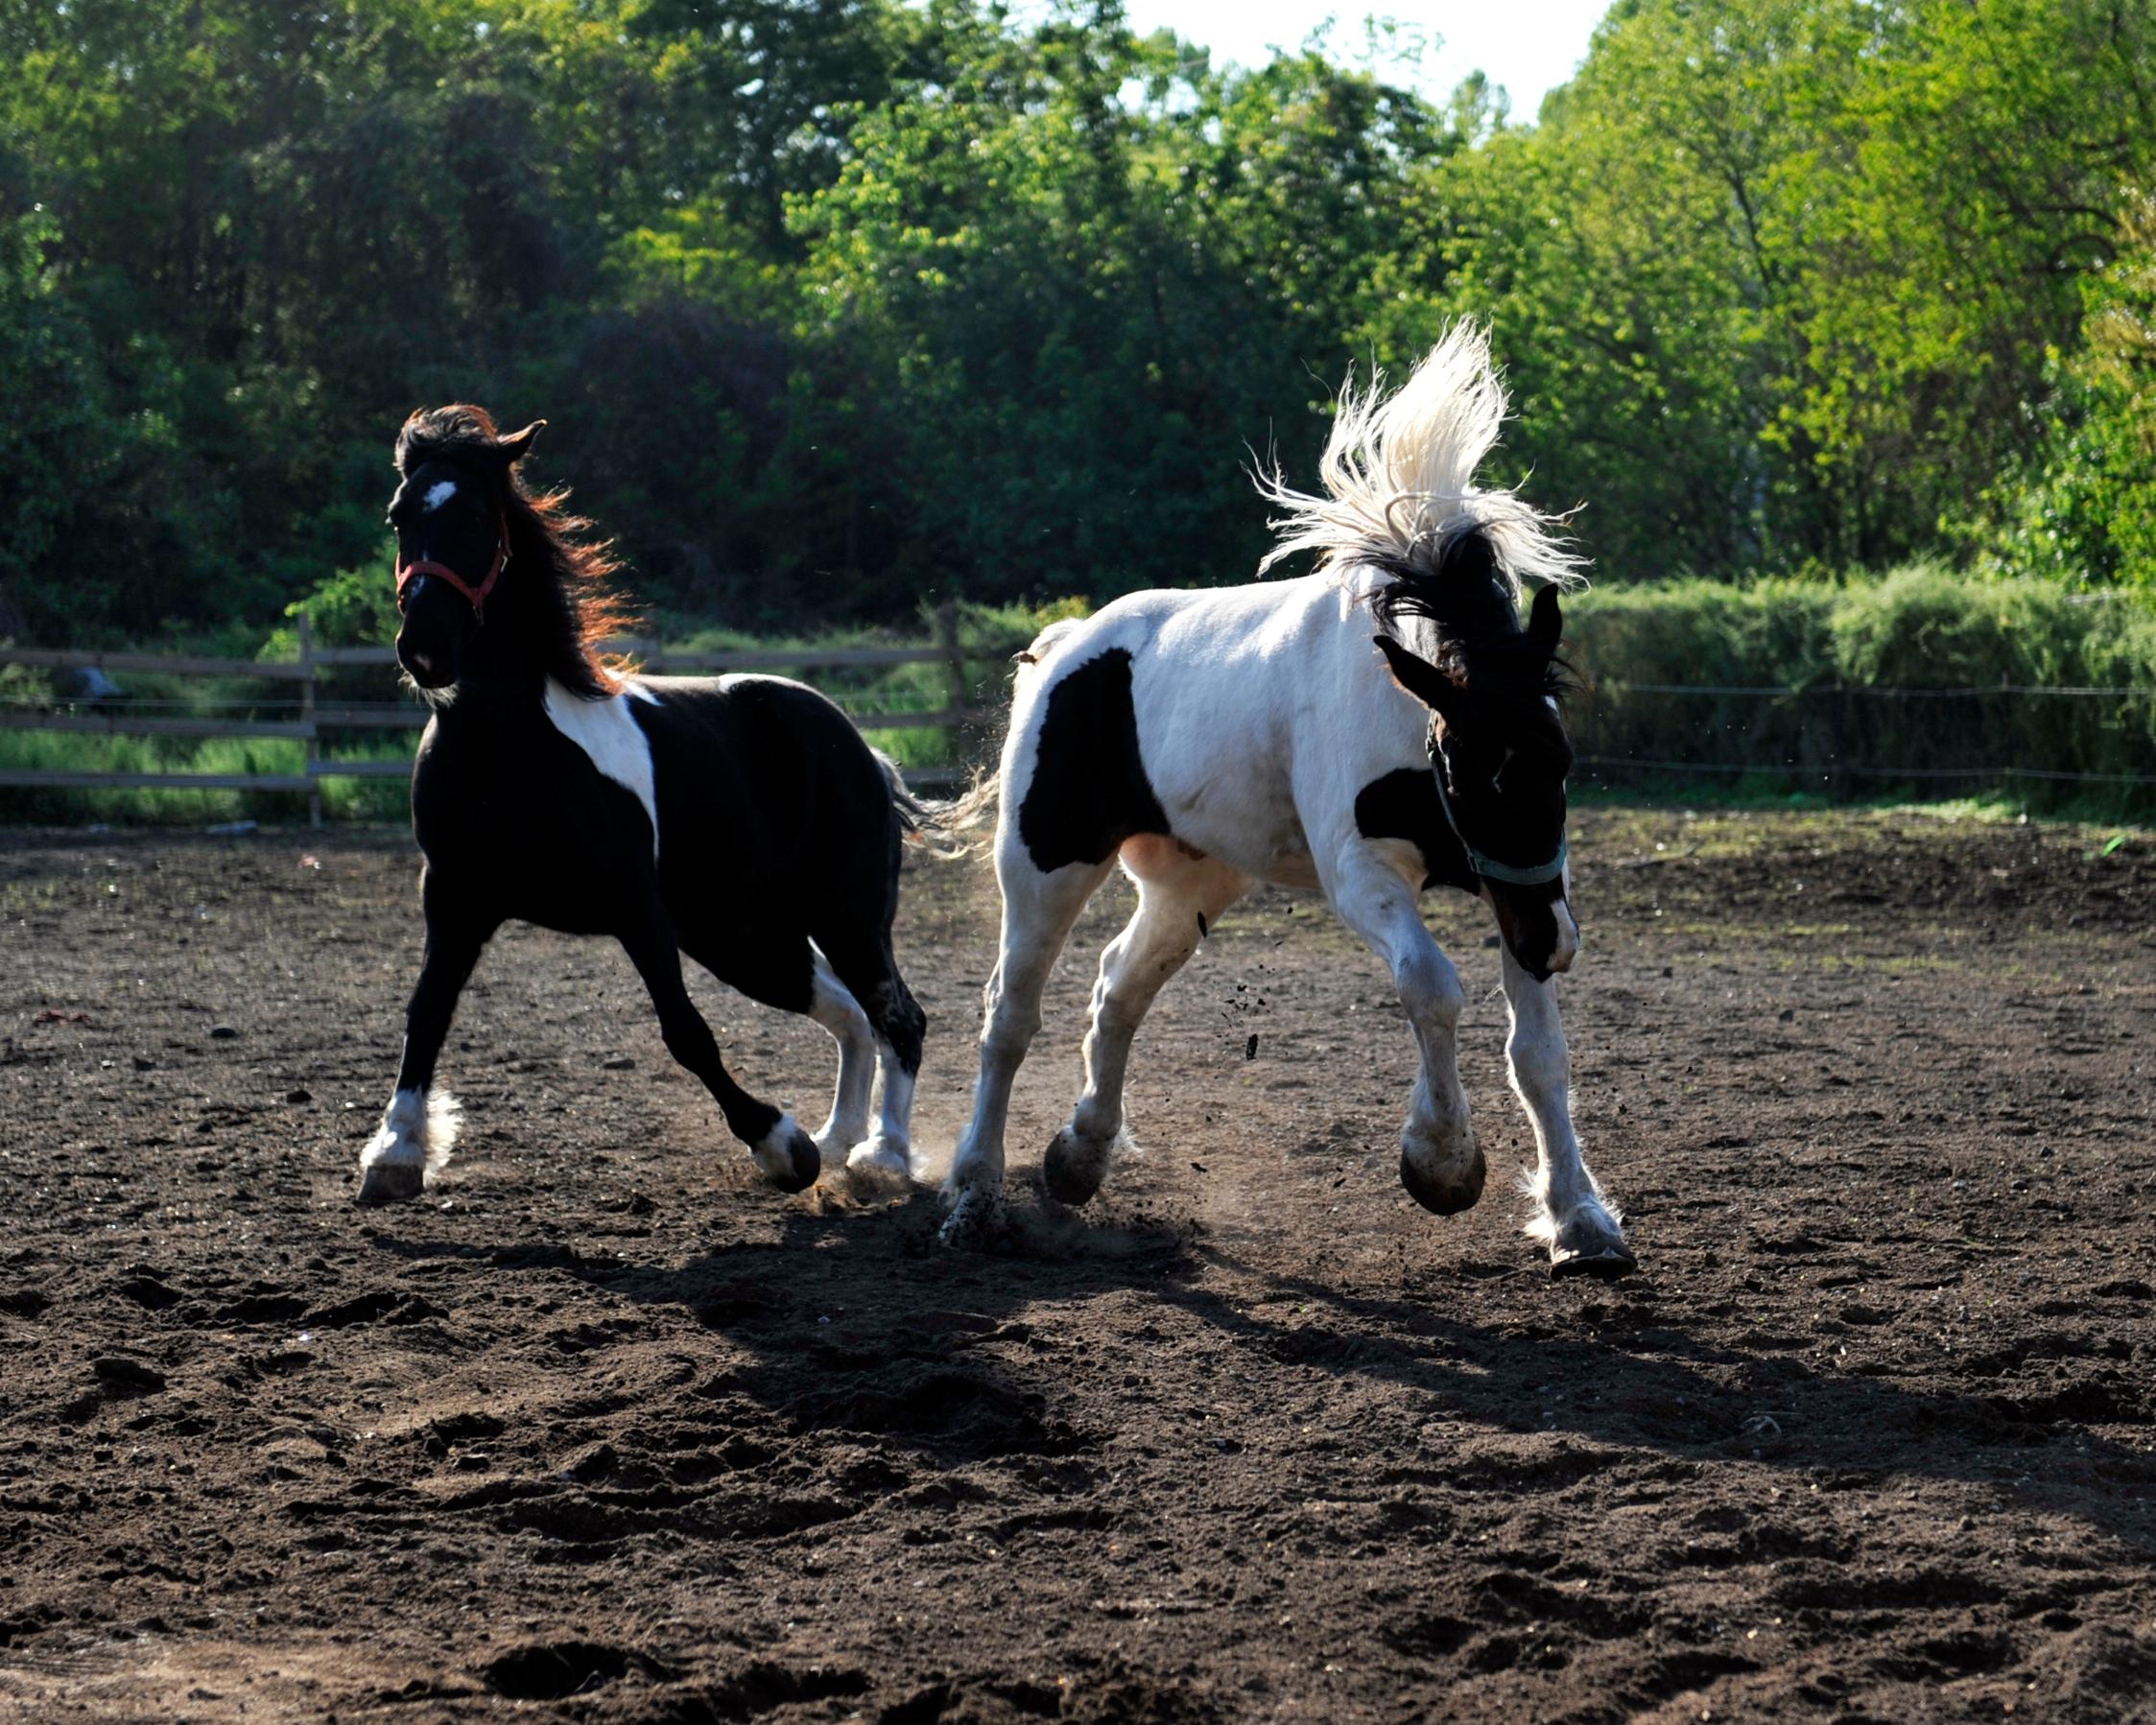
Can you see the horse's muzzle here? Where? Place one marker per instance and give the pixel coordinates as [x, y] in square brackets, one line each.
[424, 668]
[1540, 934]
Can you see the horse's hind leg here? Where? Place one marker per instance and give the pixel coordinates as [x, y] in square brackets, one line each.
[834, 1007]
[1582, 1229]
[786, 970]
[787, 1155]
[897, 1025]
[1179, 898]
[1038, 911]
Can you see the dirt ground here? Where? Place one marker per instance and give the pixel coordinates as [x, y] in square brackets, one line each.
[604, 1430]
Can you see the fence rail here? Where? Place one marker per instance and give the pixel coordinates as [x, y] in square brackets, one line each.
[315, 718]
[1831, 739]
[1844, 737]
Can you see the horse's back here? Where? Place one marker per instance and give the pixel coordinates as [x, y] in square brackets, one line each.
[1218, 717]
[765, 780]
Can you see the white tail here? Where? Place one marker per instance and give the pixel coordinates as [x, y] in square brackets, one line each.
[1398, 476]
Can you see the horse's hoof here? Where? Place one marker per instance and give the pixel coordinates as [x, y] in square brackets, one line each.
[881, 1160]
[788, 1158]
[1445, 1193]
[977, 1219]
[1605, 1263]
[391, 1182]
[1075, 1167]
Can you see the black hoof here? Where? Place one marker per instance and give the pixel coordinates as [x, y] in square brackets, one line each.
[1444, 1196]
[1605, 1263]
[392, 1183]
[1073, 1167]
[805, 1162]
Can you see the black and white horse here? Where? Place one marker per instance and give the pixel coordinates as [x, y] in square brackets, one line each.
[1210, 740]
[740, 819]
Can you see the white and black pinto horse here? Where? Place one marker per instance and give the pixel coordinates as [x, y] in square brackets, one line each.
[740, 819]
[1213, 739]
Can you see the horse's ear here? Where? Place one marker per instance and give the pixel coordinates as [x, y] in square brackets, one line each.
[1546, 623]
[1419, 677]
[514, 447]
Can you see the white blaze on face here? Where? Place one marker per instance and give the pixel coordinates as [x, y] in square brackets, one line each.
[439, 493]
[607, 732]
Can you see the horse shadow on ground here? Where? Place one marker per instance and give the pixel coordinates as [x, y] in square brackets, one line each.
[856, 1324]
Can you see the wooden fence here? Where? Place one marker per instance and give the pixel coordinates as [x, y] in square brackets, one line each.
[317, 719]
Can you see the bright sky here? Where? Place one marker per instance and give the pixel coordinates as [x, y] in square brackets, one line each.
[1526, 45]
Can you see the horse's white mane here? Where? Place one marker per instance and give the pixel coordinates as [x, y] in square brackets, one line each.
[1399, 475]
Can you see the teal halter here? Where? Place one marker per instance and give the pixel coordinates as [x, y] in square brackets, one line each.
[1490, 869]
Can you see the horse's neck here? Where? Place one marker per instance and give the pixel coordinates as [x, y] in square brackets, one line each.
[504, 678]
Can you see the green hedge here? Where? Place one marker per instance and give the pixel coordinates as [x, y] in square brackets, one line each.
[1835, 654]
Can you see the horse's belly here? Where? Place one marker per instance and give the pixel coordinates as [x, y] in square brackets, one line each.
[1258, 833]
[1291, 871]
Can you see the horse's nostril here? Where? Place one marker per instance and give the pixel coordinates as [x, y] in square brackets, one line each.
[422, 663]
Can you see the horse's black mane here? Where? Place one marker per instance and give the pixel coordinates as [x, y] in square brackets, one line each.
[573, 611]
[1463, 590]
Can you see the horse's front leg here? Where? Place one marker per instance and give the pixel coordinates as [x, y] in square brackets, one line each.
[1440, 1165]
[420, 1126]
[787, 1155]
[1580, 1226]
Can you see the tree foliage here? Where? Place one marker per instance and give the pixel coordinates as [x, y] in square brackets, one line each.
[837, 303]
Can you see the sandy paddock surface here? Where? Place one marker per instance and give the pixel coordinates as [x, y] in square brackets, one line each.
[603, 1430]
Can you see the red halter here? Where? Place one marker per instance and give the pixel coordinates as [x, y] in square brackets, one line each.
[406, 572]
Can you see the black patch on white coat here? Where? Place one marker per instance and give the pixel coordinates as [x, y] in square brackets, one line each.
[1089, 791]
[1404, 805]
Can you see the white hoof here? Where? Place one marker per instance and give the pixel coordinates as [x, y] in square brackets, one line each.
[391, 1182]
[882, 1159]
[1588, 1240]
[417, 1132]
[787, 1156]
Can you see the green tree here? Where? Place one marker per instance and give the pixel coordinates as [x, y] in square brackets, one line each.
[1083, 310]
[2085, 512]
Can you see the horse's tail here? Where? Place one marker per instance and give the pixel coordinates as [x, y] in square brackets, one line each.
[973, 808]
[913, 814]
[940, 826]
[1399, 477]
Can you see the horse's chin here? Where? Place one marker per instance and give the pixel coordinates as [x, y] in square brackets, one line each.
[437, 692]
[426, 671]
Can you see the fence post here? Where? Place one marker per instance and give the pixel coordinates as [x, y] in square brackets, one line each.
[954, 651]
[307, 718]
